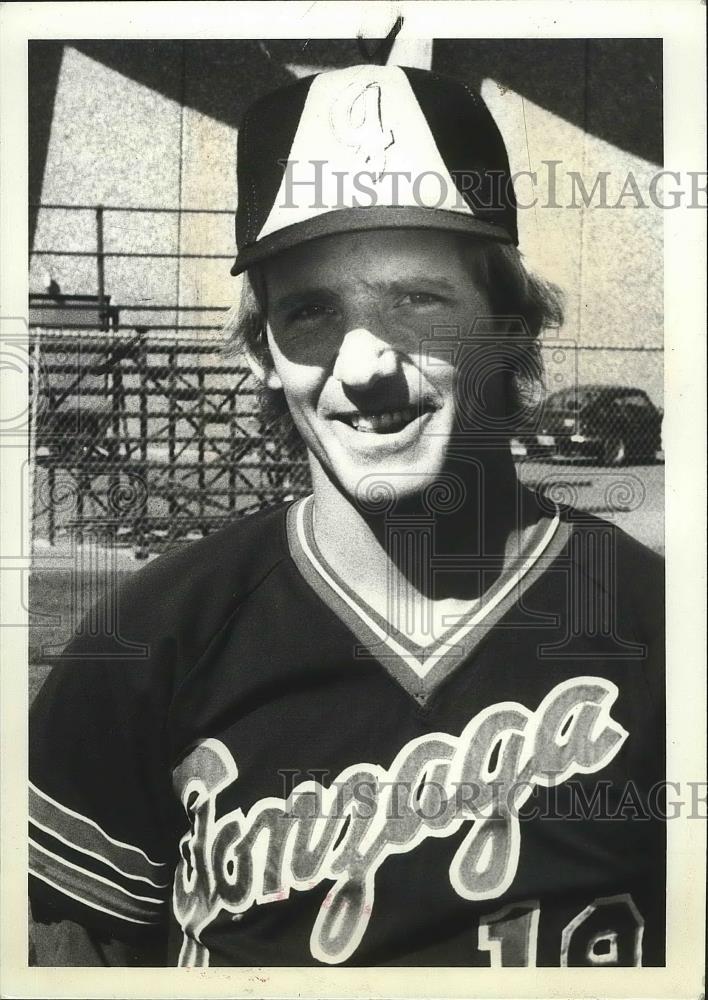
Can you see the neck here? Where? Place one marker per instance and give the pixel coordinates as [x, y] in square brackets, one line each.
[366, 546]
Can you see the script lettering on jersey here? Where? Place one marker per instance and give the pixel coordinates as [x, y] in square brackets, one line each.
[342, 833]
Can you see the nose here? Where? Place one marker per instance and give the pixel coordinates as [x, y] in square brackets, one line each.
[363, 359]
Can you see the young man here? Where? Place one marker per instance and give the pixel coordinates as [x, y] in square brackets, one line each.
[415, 718]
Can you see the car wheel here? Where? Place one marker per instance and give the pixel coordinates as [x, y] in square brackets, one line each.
[614, 451]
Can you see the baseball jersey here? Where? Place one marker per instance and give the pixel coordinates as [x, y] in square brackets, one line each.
[251, 766]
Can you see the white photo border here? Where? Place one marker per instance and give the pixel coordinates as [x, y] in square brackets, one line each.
[681, 25]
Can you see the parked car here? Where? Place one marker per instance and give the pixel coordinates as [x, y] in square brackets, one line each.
[610, 424]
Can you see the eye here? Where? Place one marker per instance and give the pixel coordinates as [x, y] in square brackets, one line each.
[310, 311]
[417, 298]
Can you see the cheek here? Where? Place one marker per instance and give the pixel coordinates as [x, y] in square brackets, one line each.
[312, 346]
[481, 382]
[303, 349]
[437, 374]
[301, 383]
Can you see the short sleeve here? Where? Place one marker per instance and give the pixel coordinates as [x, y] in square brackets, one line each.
[100, 804]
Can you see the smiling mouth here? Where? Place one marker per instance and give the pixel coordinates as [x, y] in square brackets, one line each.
[387, 422]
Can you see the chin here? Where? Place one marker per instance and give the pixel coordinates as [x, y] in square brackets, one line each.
[378, 486]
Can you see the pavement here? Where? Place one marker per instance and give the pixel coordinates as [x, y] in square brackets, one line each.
[632, 497]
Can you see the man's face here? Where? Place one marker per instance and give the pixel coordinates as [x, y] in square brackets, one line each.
[354, 329]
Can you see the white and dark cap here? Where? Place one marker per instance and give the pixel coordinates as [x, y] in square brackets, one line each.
[369, 147]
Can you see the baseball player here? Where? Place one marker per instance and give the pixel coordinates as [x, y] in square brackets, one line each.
[415, 718]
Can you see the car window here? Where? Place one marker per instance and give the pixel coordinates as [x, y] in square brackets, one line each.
[556, 401]
[634, 399]
[571, 399]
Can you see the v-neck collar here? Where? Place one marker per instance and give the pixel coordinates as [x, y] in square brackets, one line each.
[420, 669]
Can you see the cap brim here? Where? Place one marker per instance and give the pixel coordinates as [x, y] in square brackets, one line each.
[353, 220]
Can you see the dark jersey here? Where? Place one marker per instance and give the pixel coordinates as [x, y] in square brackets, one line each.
[249, 763]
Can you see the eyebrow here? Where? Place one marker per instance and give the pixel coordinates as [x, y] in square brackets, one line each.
[303, 295]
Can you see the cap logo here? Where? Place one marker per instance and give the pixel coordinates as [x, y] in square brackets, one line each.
[356, 120]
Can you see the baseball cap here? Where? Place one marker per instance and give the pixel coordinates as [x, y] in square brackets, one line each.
[369, 147]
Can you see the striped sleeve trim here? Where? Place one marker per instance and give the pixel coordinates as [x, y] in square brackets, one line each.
[91, 889]
[64, 848]
[85, 836]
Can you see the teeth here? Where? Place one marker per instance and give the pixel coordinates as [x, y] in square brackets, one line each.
[379, 423]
